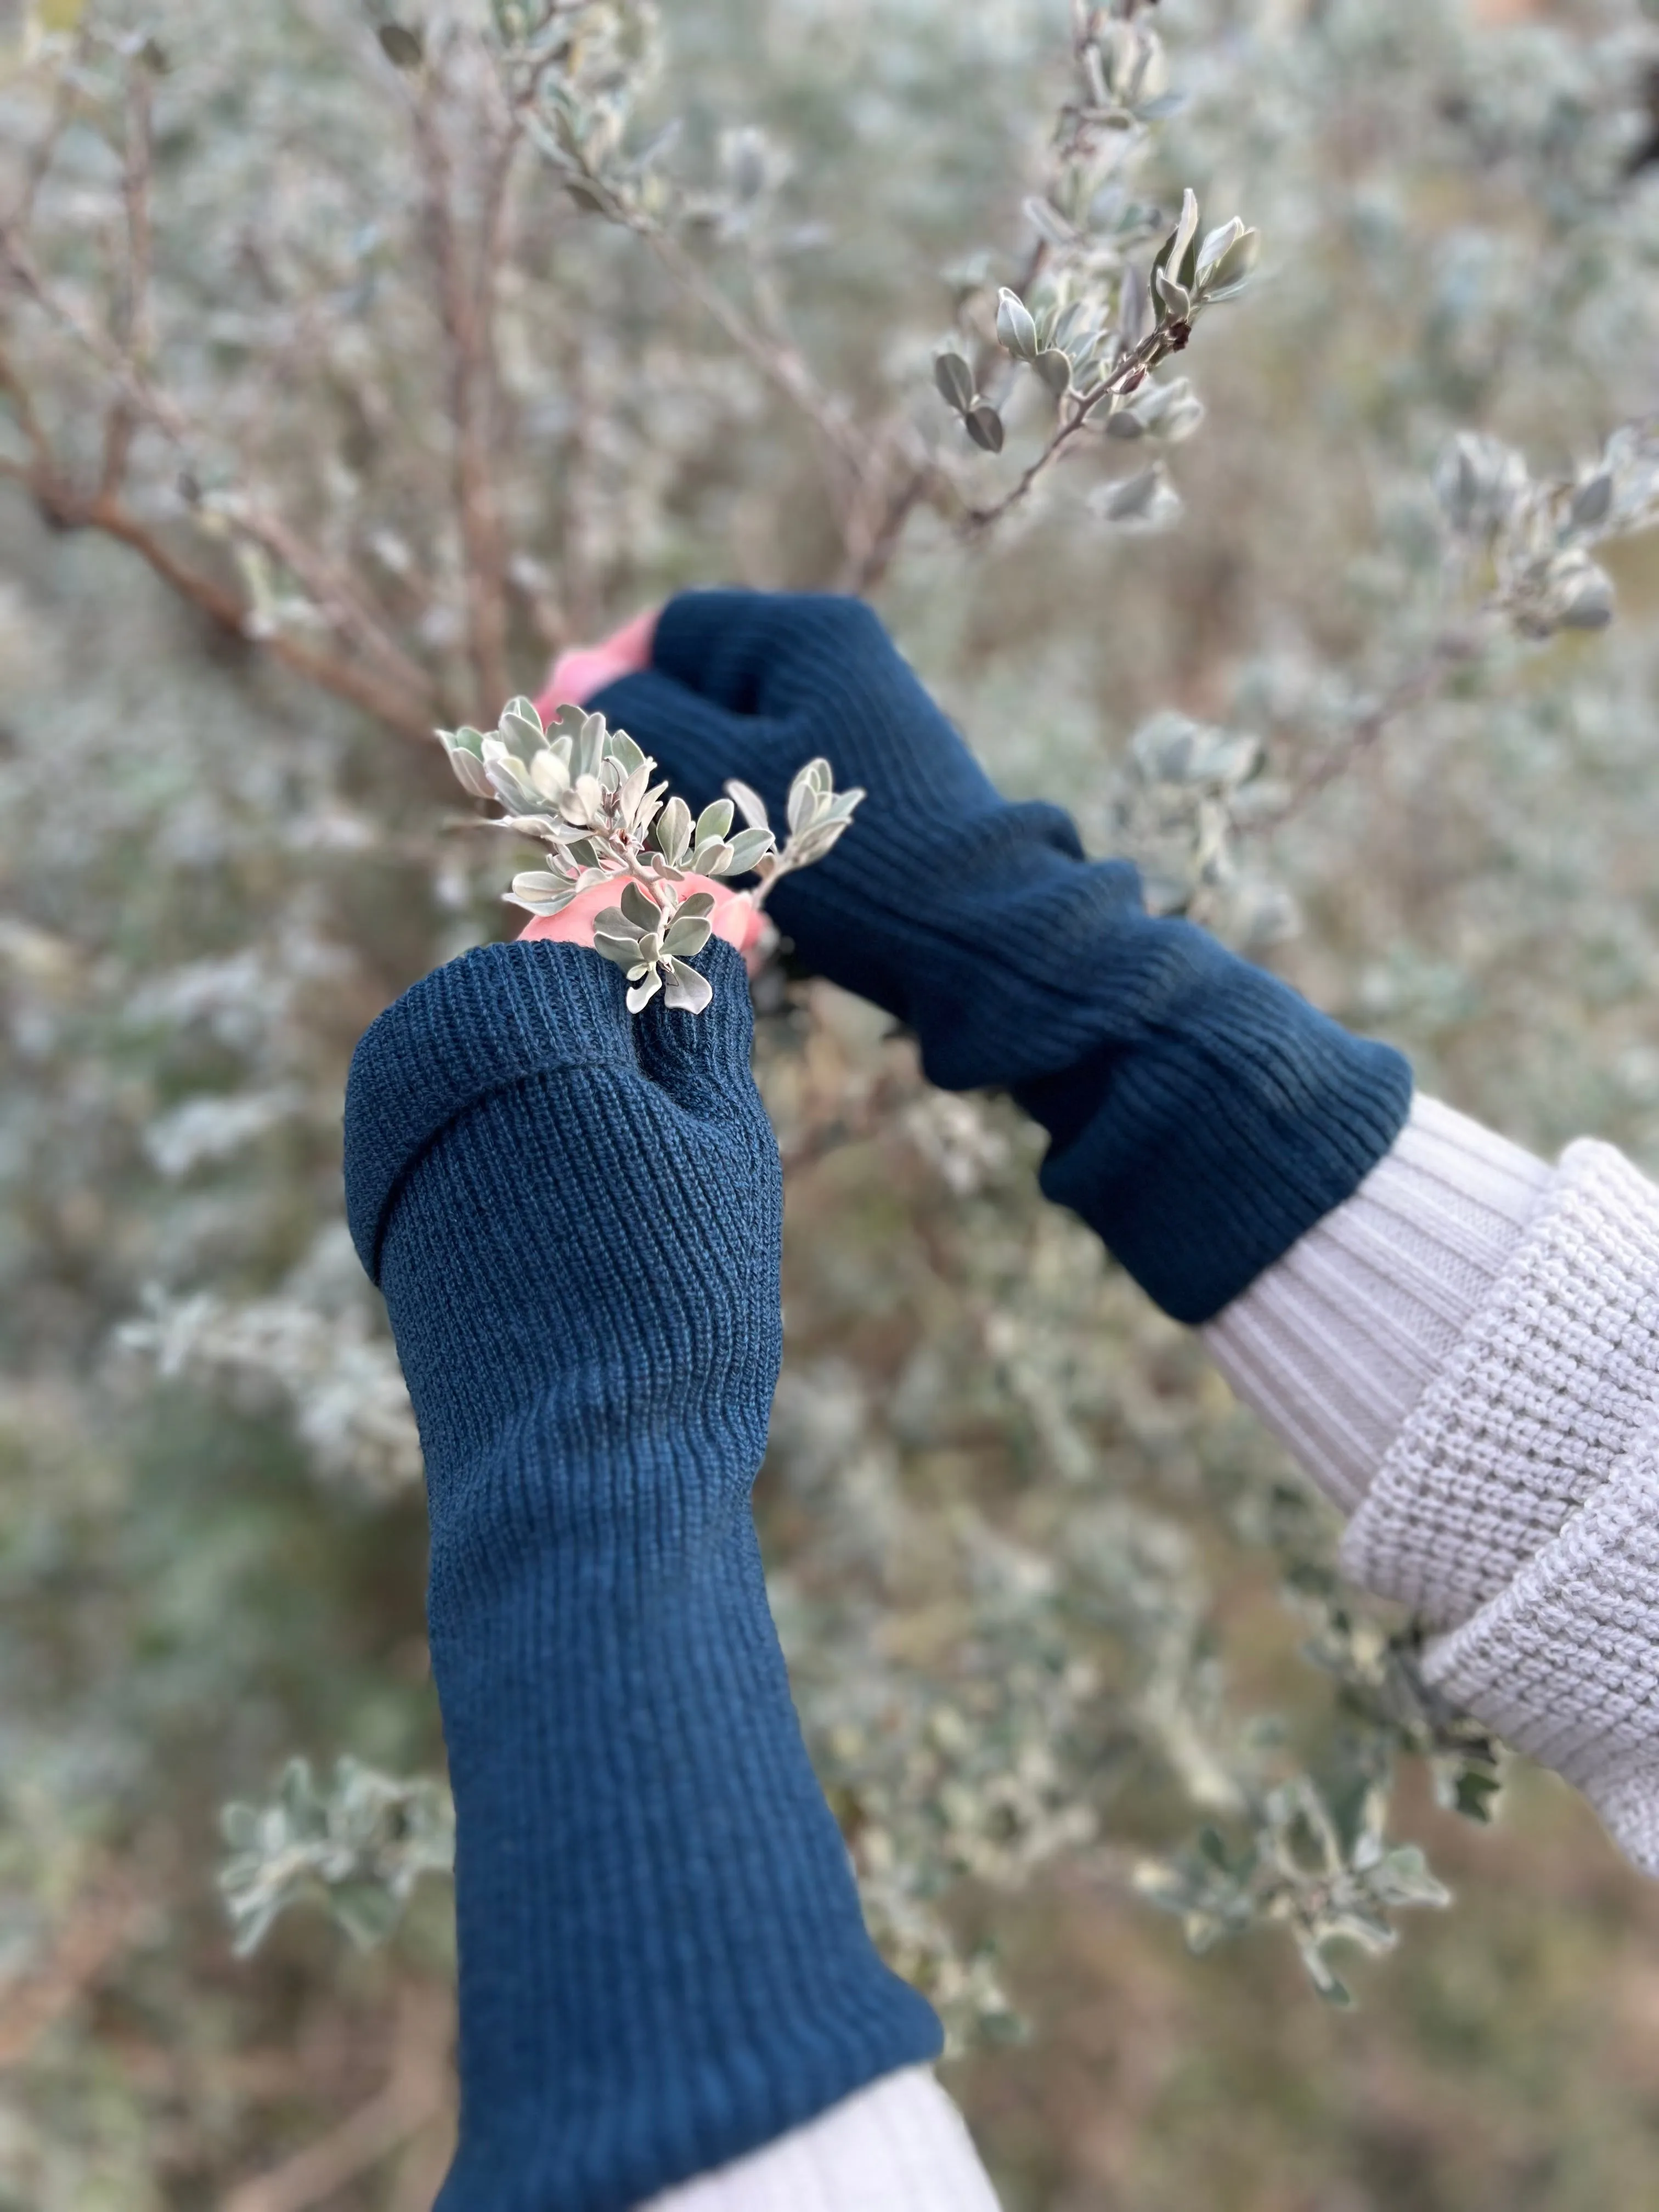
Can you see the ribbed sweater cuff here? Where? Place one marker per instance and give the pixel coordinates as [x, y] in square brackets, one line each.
[1336, 1343]
[1206, 1148]
[1467, 1353]
[1545, 1394]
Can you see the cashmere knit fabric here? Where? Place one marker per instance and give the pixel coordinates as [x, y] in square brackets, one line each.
[1519, 1505]
[1563, 1663]
[574, 1219]
[899, 2146]
[1539, 1405]
[1466, 1355]
[1335, 1343]
[1202, 1115]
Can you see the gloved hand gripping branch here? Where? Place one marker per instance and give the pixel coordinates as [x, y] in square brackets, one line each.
[1202, 1115]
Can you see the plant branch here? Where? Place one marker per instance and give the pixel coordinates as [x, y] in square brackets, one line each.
[102, 1921]
[579, 602]
[331, 591]
[851, 1124]
[876, 526]
[411, 714]
[1130, 372]
[872, 552]
[28, 422]
[415, 2094]
[466, 303]
[1454, 648]
[43, 154]
[131, 319]
[778, 361]
[781, 363]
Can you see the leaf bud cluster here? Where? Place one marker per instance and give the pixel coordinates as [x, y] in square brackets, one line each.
[585, 792]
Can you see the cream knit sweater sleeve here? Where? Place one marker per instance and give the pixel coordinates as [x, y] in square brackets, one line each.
[1465, 1356]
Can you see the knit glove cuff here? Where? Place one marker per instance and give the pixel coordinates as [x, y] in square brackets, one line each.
[493, 1017]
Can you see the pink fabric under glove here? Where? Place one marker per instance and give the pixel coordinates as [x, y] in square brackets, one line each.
[734, 918]
[572, 681]
[575, 676]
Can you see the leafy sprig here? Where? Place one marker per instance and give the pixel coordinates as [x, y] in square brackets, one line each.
[1535, 536]
[360, 1843]
[584, 791]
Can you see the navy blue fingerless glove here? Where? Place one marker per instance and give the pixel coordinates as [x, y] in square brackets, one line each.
[574, 1218]
[1202, 1115]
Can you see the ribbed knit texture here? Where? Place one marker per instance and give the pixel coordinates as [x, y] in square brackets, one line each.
[574, 1219]
[1547, 1395]
[1466, 1353]
[899, 2146]
[1336, 1343]
[1563, 1662]
[1202, 1115]
[1520, 1502]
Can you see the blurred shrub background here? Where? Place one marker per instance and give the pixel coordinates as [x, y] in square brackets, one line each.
[382, 426]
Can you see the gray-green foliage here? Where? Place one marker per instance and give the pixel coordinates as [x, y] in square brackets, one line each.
[364, 1841]
[585, 792]
[1355, 695]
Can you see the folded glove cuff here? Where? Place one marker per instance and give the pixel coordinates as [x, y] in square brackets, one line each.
[492, 1018]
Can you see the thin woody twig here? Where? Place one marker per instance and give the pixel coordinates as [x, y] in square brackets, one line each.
[512, 123]
[415, 2096]
[20, 264]
[860, 462]
[410, 714]
[781, 363]
[873, 540]
[466, 303]
[386, 682]
[28, 421]
[137, 399]
[579, 595]
[330, 590]
[100, 1924]
[132, 308]
[765, 345]
[1130, 372]
[872, 552]
[42, 154]
[851, 1126]
[1453, 649]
